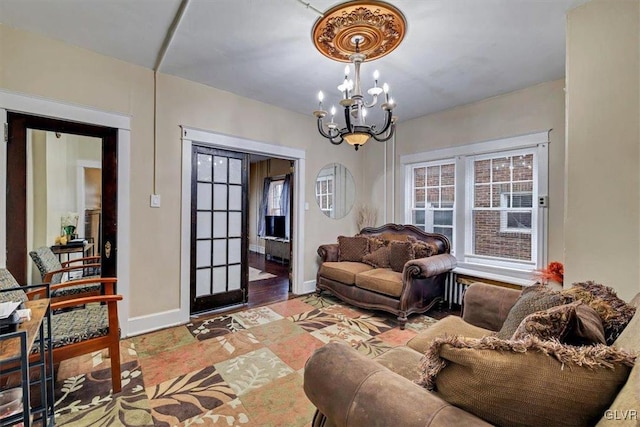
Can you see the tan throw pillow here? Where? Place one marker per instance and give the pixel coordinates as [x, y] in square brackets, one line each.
[399, 254]
[352, 248]
[574, 323]
[378, 258]
[526, 383]
[614, 312]
[533, 298]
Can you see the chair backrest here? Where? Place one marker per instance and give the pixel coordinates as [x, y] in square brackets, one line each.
[7, 281]
[46, 261]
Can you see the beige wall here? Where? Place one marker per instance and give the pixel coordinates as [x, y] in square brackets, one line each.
[602, 230]
[534, 109]
[78, 76]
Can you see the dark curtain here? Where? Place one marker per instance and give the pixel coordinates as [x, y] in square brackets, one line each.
[285, 198]
[264, 205]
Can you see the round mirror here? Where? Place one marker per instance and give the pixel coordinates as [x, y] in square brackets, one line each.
[335, 190]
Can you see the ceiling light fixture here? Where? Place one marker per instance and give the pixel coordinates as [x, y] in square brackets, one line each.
[356, 32]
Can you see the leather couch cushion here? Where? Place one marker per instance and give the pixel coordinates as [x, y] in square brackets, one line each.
[352, 248]
[628, 399]
[380, 280]
[526, 383]
[403, 361]
[344, 271]
[450, 325]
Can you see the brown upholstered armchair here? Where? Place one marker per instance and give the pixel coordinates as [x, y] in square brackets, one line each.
[415, 288]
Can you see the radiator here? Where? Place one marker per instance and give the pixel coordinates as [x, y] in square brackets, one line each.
[453, 290]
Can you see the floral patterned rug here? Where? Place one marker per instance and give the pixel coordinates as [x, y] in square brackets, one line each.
[239, 369]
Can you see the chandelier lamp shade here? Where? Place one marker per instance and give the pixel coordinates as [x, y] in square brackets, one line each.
[356, 32]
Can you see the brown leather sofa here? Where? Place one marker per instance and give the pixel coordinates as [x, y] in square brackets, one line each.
[349, 389]
[415, 290]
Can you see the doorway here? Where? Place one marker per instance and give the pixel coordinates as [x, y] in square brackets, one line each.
[270, 229]
[18, 228]
[191, 137]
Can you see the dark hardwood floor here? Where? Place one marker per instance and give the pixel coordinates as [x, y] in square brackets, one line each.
[271, 290]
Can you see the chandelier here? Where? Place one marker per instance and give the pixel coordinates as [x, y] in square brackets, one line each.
[356, 32]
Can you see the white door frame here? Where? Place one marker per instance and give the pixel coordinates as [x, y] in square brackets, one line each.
[217, 140]
[20, 103]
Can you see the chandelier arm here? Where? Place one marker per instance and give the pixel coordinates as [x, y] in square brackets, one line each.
[374, 101]
[387, 123]
[321, 130]
[338, 142]
[386, 138]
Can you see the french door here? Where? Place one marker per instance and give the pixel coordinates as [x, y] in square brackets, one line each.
[219, 228]
[16, 210]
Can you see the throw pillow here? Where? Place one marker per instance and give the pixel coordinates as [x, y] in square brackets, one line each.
[378, 259]
[533, 298]
[574, 323]
[375, 243]
[424, 249]
[554, 322]
[526, 383]
[614, 312]
[399, 254]
[352, 248]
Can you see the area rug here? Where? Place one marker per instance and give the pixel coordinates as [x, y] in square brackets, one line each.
[239, 369]
[255, 274]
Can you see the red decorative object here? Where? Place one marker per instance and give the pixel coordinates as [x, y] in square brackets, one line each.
[553, 272]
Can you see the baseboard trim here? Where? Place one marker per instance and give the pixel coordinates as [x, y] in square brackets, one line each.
[256, 248]
[153, 322]
[308, 287]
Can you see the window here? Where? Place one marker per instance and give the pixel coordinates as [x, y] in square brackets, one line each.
[274, 203]
[481, 196]
[324, 193]
[433, 197]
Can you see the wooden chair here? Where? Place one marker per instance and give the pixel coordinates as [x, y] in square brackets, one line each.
[53, 271]
[79, 331]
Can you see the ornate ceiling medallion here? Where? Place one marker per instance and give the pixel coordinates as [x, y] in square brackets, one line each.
[378, 26]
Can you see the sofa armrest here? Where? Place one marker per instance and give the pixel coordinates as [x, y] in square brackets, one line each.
[328, 252]
[431, 266]
[487, 306]
[352, 390]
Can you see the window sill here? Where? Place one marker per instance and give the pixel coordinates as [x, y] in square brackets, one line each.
[516, 277]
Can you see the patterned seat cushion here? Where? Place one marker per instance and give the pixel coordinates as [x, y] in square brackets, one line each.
[7, 281]
[78, 325]
[77, 289]
[46, 261]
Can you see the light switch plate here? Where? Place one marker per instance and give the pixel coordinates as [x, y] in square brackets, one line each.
[155, 200]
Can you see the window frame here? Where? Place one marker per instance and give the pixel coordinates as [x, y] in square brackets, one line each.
[271, 201]
[504, 214]
[329, 179]
[538, 144]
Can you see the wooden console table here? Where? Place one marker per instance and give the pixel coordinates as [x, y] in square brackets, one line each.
[275, 247]
[86, 250]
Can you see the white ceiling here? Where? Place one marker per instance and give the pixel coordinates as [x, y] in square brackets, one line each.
[454, 52]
